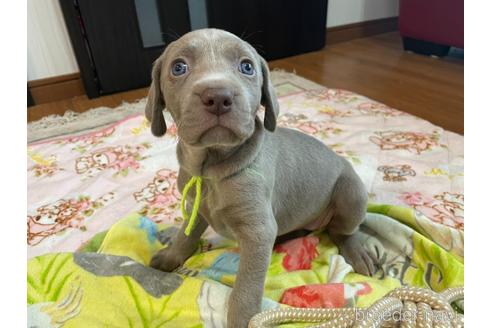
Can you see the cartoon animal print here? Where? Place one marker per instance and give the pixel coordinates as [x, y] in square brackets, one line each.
[119, 159]
[377, 109]
[43, 166]
[348, 154]
[317, 100]
[160, 197]
[89, 141]
[145, 125]
[445, 208]
[61, 215]
[450, 206]
[336, 95]
[414, 142]
[440, 172]
[301, 122]
[396, 173]
[48, 170]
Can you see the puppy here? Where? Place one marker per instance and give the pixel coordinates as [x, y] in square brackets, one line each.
[259, 181]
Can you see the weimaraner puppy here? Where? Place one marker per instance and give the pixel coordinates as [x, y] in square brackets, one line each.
[259, 181]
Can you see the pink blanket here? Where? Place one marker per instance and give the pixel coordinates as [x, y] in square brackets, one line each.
[80, 185]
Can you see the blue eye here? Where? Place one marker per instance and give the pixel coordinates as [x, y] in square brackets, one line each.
[179, 68]
[246, 67]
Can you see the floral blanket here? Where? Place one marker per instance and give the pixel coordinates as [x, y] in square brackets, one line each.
[109, 283]
[80, 186]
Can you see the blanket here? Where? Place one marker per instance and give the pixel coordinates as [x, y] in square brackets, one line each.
[108, 283]
[101, 203]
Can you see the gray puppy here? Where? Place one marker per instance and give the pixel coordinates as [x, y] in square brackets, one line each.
[259, 182]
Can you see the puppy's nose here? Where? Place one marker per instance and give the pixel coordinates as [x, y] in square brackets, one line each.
[217, 101]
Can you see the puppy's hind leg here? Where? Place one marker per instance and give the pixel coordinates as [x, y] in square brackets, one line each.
[350, 202]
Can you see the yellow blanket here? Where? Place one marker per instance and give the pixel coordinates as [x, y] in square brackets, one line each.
[108, 282]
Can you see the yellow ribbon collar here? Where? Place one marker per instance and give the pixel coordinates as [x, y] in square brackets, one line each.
[197, 182]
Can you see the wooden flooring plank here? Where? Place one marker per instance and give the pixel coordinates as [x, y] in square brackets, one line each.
[376, 67]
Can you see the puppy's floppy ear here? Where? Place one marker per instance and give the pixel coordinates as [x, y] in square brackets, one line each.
[155, 102]
[268, 98]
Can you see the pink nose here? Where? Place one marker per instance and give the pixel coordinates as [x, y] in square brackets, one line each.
[217, 101]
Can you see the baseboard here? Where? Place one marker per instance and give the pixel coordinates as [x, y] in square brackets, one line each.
[360, 30]
[56, 88]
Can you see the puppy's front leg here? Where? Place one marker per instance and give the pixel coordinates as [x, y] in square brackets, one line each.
[256, 241]
[181, 248]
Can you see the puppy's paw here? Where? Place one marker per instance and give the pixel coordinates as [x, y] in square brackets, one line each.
[166, 260]
[352, 249]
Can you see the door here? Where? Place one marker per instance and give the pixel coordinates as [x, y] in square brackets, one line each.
[118, 40]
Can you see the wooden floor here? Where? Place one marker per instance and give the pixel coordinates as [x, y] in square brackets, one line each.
[375, 67]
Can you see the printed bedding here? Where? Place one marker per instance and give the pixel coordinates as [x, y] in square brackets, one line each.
[100, 204]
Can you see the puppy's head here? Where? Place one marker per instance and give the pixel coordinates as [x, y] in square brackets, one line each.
[212, 83]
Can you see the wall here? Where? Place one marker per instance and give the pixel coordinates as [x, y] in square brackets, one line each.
[49, 52]
[342, 12]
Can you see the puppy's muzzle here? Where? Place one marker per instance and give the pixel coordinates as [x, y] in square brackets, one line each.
[217, 101]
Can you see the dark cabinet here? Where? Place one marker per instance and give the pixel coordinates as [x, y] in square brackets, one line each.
[116, 41]
[277, 28]
[107, 39]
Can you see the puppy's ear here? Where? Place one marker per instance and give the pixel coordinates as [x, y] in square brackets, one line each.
[268, 98]
[155, 102]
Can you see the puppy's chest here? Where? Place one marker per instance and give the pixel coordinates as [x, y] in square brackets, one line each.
[217, 213]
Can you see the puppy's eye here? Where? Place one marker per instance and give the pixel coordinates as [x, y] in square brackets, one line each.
[179, 68]
[246, 67]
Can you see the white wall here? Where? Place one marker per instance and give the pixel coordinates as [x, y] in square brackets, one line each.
[342, 12]
[49, 52]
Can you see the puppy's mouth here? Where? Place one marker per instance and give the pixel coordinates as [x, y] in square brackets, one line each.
[219, 135]
[201, 128]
